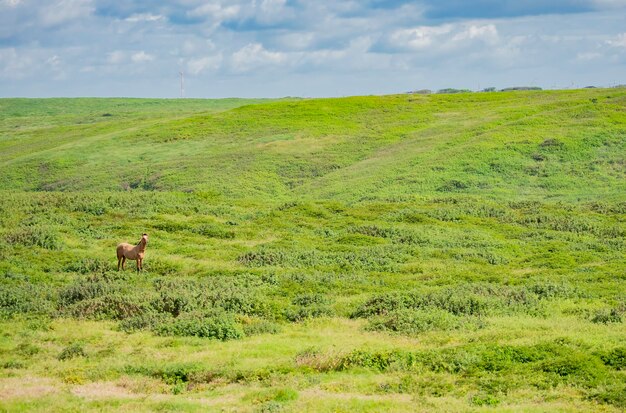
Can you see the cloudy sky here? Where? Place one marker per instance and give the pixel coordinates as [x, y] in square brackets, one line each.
[271, 48]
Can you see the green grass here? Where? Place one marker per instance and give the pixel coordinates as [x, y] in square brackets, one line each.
[438, 253]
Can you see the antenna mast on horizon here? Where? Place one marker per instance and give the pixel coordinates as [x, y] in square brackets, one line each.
[182, 84]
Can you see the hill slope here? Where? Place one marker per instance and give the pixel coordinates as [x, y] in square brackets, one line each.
[495, 144]
[394, 253]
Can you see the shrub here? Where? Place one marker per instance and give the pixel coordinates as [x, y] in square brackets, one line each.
[213, 231]
[27, 349]
[578, 367]
[262, 258]
[453, 186]
[550, 290]
[25, 298]
[614, 394]
[607, 316]
[170, 373]
[310, 299]
[86, 289]
[482, 399]
[35, 236]
[218, 326]
[72, 351]
[363, 358]
[306, 312]
[89, 265]
[109, 307]
[162, 266]
[412, 321]
[12, 364]
[261, 327]
[396, 235]
[476, 300]
[615, 358]
[143, 321]
[227, 293]
[382, 304]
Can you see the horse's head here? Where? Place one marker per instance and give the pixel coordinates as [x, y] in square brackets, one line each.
[144, 238]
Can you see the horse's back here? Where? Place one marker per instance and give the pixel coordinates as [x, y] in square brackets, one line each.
[123, 247]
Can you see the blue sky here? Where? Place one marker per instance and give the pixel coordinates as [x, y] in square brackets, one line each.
[271, 48]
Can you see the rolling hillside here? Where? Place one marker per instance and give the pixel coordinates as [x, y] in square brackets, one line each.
[547, 144]
[383, 253]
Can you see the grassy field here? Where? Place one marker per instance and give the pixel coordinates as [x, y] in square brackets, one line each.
[386, 253]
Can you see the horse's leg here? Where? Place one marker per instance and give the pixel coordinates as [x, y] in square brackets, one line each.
[141, 264]
[138, 264]
[123, 262]
[119, 261]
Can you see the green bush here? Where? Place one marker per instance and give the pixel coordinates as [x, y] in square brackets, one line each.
[474, 300]
[35, 236]
[310, 299]
[25, 298]
[143, 321]
[456, 302]
[615, 358]
[218, 326]
[169, 373]
[213, 231]
[72, 351]
[550, 290]
[482, 399]
[109, 307]
[605, 316]
[86, 289]
[27, 349]
[368, 359]
[90, 265]
[414, 321]
[162, 266]
[581, 368]
[261, 327]
[614, 394]
[231, 294]
[301, 313]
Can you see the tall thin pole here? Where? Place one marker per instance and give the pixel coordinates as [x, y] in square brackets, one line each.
[182, 85]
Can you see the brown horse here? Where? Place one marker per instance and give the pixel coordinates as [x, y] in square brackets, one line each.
[132, 252]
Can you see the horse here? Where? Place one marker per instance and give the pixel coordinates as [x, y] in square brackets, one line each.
[132, 252]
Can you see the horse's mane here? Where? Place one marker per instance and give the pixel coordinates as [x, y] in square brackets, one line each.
[143, 235]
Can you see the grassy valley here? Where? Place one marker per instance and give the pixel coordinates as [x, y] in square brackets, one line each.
[384, 253]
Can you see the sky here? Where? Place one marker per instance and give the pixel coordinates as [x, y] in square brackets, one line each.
[275, 48]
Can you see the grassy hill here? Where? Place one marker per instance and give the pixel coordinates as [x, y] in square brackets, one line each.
[383, 253]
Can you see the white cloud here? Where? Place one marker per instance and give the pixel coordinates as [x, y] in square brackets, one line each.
[62, 11]
[254, 55]
[141, 57]
[296, 41]
[486, 32]
[15, 65]
[618, 41]
[202, 64]
[419, 37]
[116, 57]
[588, 56]
[444, 38]
[609, 3]
[215, 11]
[11, 3]
[196, 46]
[53, 61]
[144, 17]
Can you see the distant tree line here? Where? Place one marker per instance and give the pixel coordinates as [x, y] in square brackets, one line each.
[488, 89]
[453, 90]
